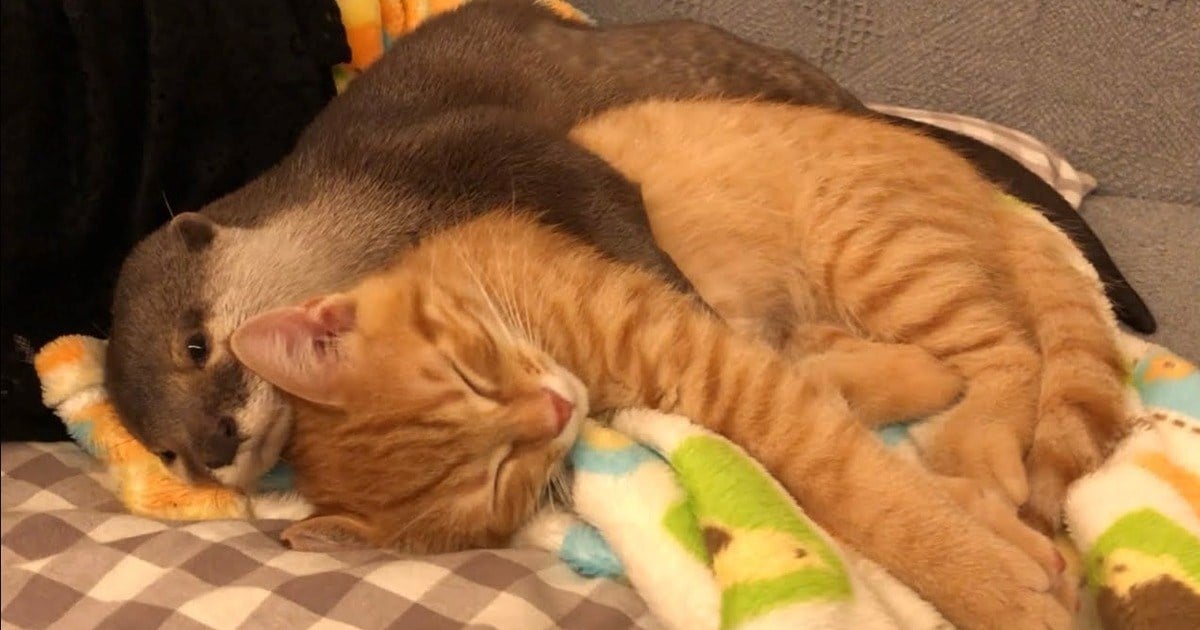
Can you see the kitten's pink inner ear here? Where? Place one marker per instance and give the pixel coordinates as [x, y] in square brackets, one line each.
[296, 348]
[327, 533]
[337, 313]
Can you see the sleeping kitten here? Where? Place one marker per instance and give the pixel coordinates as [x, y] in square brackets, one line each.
[787, 216]
[435, 401]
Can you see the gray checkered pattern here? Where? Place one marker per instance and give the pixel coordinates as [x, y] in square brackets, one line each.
[1044, 161]
[73, 559]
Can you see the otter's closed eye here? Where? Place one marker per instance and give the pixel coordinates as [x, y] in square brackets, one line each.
[197, 348]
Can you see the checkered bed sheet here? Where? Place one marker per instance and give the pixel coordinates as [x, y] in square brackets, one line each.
[73, 558]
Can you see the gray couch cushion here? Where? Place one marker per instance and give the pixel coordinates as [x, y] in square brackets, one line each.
[1113, 83]
[1155, 244]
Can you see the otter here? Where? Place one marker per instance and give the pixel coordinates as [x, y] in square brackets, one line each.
[468, 112]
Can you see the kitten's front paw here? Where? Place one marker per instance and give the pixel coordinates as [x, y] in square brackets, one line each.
[1023, 609]
[925, 383]
[889, 382]
[1015, 593]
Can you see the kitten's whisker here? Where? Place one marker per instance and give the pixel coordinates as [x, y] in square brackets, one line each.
[557, 494]
[518, 315]
[484, 293]
[525, 317]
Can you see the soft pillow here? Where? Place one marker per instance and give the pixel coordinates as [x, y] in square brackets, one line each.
[1032, 153]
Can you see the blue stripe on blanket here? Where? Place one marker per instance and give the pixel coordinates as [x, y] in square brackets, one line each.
[585, 551]
[607, 460]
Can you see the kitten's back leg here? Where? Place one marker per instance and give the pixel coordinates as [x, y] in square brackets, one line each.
[1081, 409]
[930, 282]
[888, 382]
[985, 436]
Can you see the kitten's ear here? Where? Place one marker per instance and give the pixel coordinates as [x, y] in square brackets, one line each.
[296, 348]
[327, 533]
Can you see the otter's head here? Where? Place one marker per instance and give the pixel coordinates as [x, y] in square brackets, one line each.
[180, 294]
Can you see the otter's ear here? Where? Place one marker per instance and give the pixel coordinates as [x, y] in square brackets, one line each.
[298, 348]
[196, 230]
[327, 533]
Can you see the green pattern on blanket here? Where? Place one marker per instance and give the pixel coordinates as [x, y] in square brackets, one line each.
[680, 521]
[1148, 543]
[764, 555]
[707, 536]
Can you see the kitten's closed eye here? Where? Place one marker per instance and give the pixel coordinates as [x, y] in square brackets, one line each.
[473, 382]
[502, 457]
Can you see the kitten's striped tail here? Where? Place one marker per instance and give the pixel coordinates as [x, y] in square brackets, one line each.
[1081, 407]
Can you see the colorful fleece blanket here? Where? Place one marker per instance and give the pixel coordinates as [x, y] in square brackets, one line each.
[728, 547]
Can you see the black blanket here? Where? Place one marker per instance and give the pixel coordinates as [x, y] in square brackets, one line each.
[116, 111]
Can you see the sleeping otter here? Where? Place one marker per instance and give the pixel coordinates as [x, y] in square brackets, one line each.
[468, 112]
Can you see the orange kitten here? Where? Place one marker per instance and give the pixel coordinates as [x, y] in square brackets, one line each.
[435, 401]
[785, 216]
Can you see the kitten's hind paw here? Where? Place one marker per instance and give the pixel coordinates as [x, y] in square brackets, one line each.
[1077, 430]
[1016, 594]
[1057, 458]
[1048, 484]
[991, 454]
[999, 516]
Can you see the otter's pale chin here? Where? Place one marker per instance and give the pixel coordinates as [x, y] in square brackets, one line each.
[258, 454]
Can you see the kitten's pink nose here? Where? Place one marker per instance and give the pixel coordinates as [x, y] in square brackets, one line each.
[562, 409]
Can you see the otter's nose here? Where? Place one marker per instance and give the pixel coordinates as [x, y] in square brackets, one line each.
[221, 446]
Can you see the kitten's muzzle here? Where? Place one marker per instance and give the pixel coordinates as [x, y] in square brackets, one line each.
[562, 409]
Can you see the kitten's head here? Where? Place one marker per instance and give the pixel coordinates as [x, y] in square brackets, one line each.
[422, 421]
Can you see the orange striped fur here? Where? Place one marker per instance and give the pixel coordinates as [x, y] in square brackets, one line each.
[429, 434]
[783, 217]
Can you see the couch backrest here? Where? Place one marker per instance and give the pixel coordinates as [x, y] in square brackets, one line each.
[1114, 84]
